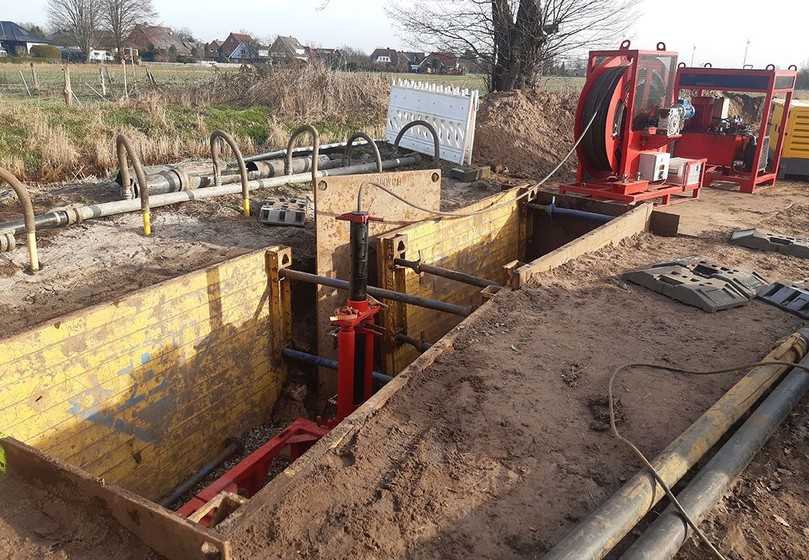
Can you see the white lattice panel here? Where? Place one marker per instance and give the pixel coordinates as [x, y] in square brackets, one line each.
[452, 111]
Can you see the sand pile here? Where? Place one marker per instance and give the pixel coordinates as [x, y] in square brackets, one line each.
[527, 132]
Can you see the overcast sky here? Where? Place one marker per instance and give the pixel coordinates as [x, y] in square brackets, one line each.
[777, 29]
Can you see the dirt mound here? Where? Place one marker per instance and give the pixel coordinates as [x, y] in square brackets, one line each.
[527, 132]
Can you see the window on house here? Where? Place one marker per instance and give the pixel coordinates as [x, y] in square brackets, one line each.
[383, 59]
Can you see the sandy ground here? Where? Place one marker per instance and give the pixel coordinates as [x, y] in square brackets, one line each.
[501, 446]
[35, 524]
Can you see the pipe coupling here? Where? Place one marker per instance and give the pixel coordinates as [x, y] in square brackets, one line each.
[7, 242]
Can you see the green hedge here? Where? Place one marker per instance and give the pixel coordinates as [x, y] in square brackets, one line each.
[45, 51]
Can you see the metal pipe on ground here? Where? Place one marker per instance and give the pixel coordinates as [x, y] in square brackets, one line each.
[303, 149]
[232, 448]
[664, 538]
[174, 178]
[415, 343]
[379, 293]
[604, 528]
[66, 216]
[418, 267]
[553, 210]
[380, 379]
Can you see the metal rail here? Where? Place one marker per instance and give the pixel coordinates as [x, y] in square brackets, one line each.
[418, 267]
[379, 293]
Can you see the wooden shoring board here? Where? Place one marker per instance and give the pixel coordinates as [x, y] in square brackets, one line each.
[335, 196]
[166, 533]
[633, 222]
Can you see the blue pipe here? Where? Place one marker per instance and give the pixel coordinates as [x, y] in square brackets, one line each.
[553, 210]
[380, 379]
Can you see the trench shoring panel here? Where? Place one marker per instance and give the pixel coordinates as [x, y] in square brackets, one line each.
[479, 245]
[335, 196]
[144, 390]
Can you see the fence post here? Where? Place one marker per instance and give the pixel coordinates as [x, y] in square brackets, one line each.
[126, 88]
[35, 80]
[103, 82]
[68, 88]
[22, 76]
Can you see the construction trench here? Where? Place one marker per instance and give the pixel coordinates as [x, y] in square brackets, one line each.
[475, 424]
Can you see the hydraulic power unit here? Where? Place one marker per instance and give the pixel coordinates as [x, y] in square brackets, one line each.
[795, 156]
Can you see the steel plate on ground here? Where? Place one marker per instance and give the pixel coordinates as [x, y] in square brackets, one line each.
[791, 298]
[679, 283]
[762, 241]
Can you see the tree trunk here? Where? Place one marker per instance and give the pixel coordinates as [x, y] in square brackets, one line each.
[518, 44]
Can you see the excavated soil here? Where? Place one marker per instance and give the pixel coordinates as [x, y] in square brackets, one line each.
[40, 525]
[500, 446]
[528, 133]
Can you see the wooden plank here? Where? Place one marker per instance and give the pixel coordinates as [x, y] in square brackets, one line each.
[335, 196]
[627, 225]
[157, 527]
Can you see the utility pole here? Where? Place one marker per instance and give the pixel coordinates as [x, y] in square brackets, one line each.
[746, 52]
[693, 53]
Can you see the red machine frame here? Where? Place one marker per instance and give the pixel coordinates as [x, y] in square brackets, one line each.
[770, 82]
[623, 184]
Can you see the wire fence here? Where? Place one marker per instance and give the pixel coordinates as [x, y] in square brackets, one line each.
[97, 82]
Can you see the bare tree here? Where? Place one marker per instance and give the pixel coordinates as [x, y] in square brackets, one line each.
[513, 39]
[78, 18]
[120, 17]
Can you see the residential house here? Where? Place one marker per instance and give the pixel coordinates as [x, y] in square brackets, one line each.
[238, 48]
[471, 63]
[414, 60]
[333, 58]
[288, 50]
[213, 50]
[17, 41]
[441, 63]
[159, 44]
[388, 59]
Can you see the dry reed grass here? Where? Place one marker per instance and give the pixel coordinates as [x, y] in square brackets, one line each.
[46, 142]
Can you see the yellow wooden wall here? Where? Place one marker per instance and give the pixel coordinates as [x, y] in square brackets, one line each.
[144, 390]
[479, 245]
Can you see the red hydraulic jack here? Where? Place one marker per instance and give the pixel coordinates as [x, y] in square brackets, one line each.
[355, 343]
[355, 338]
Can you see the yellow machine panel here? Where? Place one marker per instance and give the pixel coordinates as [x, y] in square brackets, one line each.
[796, 141]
